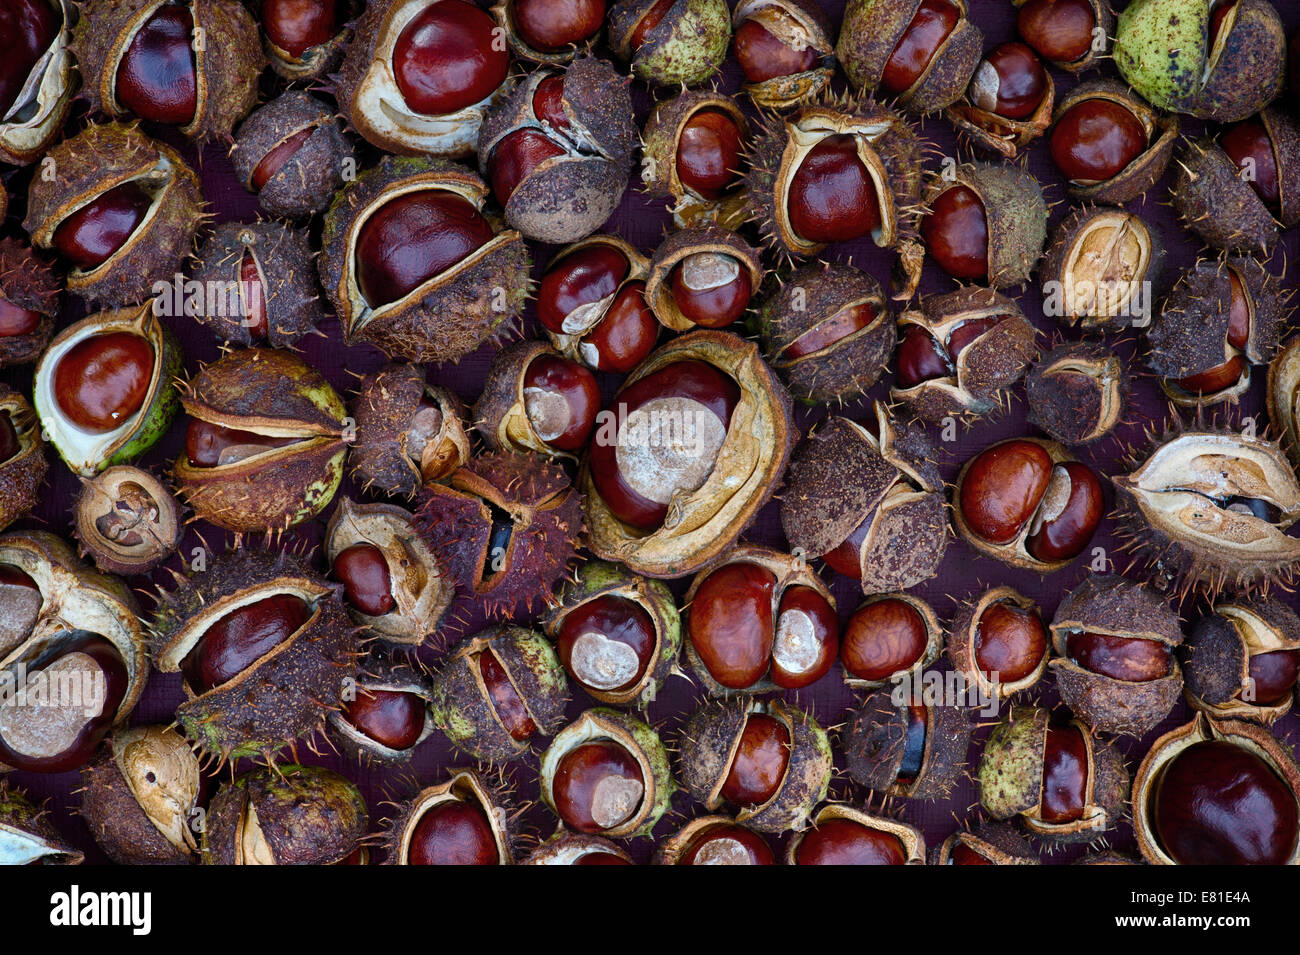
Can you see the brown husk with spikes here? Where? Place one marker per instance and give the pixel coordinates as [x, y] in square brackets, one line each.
[1215, 203]
[875, 744]
[1077, 393]
[660, 142]
[687, 242]
[127, 521]
[22, 476]
[910, 837]
[286, 694]
[998, 842]
[23, 821]
[1217, 654]
[1148, 166]
[1015, 213]
[28, 282]
[459, 785]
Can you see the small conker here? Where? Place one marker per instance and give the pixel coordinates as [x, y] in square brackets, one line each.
[727, 844]
[295, 26]
[1010, 81]
[583, 277]
[562, 399]
[1010, 641]
[731, 623]
[607, 643]
[367, 584]
[1061, 31]
[1095, 140]
[391, 718]
[711, 289]
[30, 26]
[885, 637]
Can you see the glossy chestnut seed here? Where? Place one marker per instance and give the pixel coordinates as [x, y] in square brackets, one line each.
[29, 27]
[636, 481]
[759, 763]
[91, 234]
[411, 239]
[274, 161]
[709, 153]
[209, 445]
[67, 733]
[763, 56]
[1069, 517]
[548, 102]
[606, 644]
[296, 26]
[965, 334]
[963, 854]
[157, 78]
[728, 844]
[600, 858]
[516, 156]
[1009, 641]
[653, 17]
[1010, 81]
[9, 444]
[507, 702]
[1128, 659]
[1215, 379]
[447, 58]
[710, 289]
[1065, 775]
[627, 333]
[731, 623]
[848, 842]
[1248, 145]
[597, 786]
[15, 320]
[562, 399]
[925, 34]
[552, 25]
[831, 195]
[102, 380]
[367, 584]
[1273, 675]
[956, 233]
[921, 358]
[1095, 140]
[583, 277]
[807, 638]
[1002, 489]
[835, 329]
[1058, 30]
[242, 637]
[252, 295]
[883, 638]
[453, 833]
[846, 559]
[1217, 803]
[391, 718]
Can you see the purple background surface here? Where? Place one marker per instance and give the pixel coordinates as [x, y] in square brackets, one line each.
[643, 222]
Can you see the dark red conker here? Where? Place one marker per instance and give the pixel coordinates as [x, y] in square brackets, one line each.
[731, 625]
[1095, 140]
[91, 234]
[832, 197]
[391, 718]
[296, 26]
[562, 399]
[367, 584]
[588, 633]
[1058, 30]
[553, 25]
[102, 380]
[709, 153]
[848, 842]
[240, 638]
[956, 233]
[763, 56]
[453, 833]
[930, 26]
[28, 28]
[759, 762]
[448, 58]
[597, 786]
[157, 78]
[209, 445]
[510, 707]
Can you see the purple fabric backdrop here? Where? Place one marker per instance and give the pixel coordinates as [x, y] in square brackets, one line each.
[643, 222]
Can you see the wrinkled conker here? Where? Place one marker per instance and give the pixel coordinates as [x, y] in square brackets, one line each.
[1058, 30]
[1095, 140]
[157, 78]
[1009, 641]
[848, 842]
[562, 399]
[763, 56]
[448, 58]
[367, 584]
[101, 381]
[882, 638]
[956, 233]
[925, 34]
[606, 644]
[296, 26]
[831, 196]
[240, 638]
[731, 624]
[711, 289]
[552, 25]
[709, 153]
[391, 718]
[453, 833]
[597, 786]
[759, 762]
[583, 277]
[91, 234]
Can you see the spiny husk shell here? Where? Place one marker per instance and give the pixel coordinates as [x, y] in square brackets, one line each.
[22, 476]
[789, 570]
[1010, 778]
[702, 524]
[1015, 213]
[1251, 737]
[284, 695]
[964, 633]
[309, 178]
[873, 28]
[385, 407]
[801, 25]
[998, 842]
[457, 522]
[450, 314]
[419, 585]
[1077, 393]
[91, 163]
[1190, 542]
[992, 133]
[640, 741]
[686, 47]
[139, 795]
[381, 671]
[266, 391]
[1216, 657]
[708, 745]
[226, 69]
[1163, 49]
[565, 848]
[462, 705]
[316, 61]
[809, 298]
[687, 242]
[1284, 136]
[1102, 270]
[659, 147]
[26, 834]
[565, 198]
[985, 369]
[1148, 166]
[595, 579]
[842, 477]
[910, 837]
[284, 263]
[460, 785]
[28, 282]
[51, 87]
[1110, 605]
[501, 415]
[674, 849]
[144, 521]
[285, 815]
[875, 743]
[1214, 202]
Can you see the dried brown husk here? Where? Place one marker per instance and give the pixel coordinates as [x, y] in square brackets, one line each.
[985, 369]
[964, 633]
[1215, 203]
[800, 25]
[843, 476]
[28, 282]
[875, 743]
[703, 523]
[1077, 393]
[910, 837]
[1216, 657]
[675, 249]
[659, 147]
[1283, 394]
[37, 116]
[22, 476]
[450, 314]
[992, 133]
[1147, 168]
[460, 785]
[127, 521]
[998, 842]
[381, 671]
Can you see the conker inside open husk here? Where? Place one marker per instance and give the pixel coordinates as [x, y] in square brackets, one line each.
[535, 399]
[27, 837]
[460, 821]
[705, 276]
[670, 42]
[23, 468]
[899, 745]
[786, 49]
[385, 716]
[999, 642]
[39, 80]
[304, 41]
[1008, 103]
[1073, 35]
[574, 848]
[843, 835]
[693, 154]
[990, 843]
[550, 32]
[714, 840]
[29, 300]
[1240, 660]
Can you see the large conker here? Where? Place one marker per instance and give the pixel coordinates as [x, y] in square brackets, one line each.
[1095, 140]
[709, 153]
[157, 78]
[832, 197]
[956, 233]
[1059, 30]
[598, 786]
[101, 381]
[233, 643]
[448, 58]
[89, 236]
[887, 636]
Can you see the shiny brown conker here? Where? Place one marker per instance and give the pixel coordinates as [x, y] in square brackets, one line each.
[709, 153]
[274, 161]
[414, 237]
[157, 78]
[548, 102]
[759, 762]
[807, 638]
[882, 638]
[1065, 775]
[1009, 641]
[728, 844]
[841, 325]
[597, 786]
[956, 233]
[731, 623]
[562, 399]
[1010, 81]
[15, 320]
[29, 27]
[1249, 147]
[763, 56]
[252, 294]
[583, 277]
[930, 26]
[963, 854]
[601, 858]
[392, 718]
[1058, 30]
[1273, 675]
[367, 584]
[1065, 533]
[706, 290]
[516, 156]
[627, 333]
[849, 842]
[296, 26]
[102, 380]
[209, 445]
[453, 833]
[1095, 140]
[507, 702]
[448, 58]
[234, 642]
[91, 234]
[1130, 659]
[606, 644]
[652, 18]
[831, 195]
[1002, 489]
[552, 25]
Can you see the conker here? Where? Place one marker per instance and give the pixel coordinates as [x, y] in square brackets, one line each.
[509, 706]
[597, 786]
[29, 27]
[562, 399]
[274, 160]
[583, 277]
[157, 78]
[453, 832]
[1065, 775]
[807, 638]
[651, 19]
[711, 289]
[296, 26]
[763, 56]
[956, 233]
[367, 584]
[831, 195]
[1095, 140]
[882, 638]
[552, 25]
[447, 58]
[848, 842]
[607, 643]
[93, 233]
[627, 333]
[392, 718]
[1249, 146]
[759, 762]
[15, 320]
[728, 844]
[1010, 81]
[101, 381]
[930, 26]
[709, 153]
[516, 156]
[731, 623]
[1273, 675]
[209, 445]
[1009, 641]
[1131, 659]
[1058, 30]
[1068, 517]
[240, 638]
